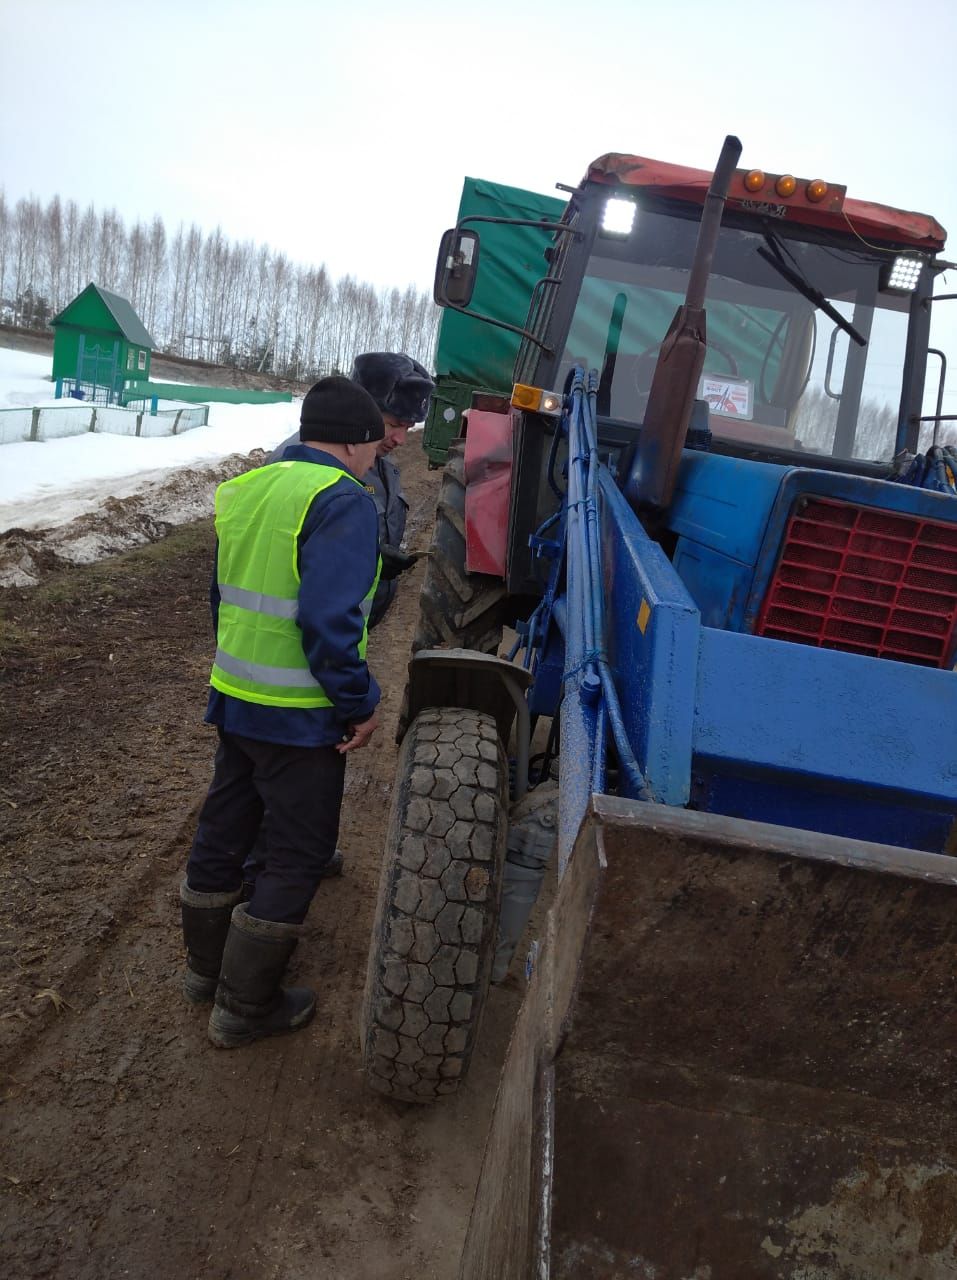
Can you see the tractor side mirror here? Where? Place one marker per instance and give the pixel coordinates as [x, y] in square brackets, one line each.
[456, 268]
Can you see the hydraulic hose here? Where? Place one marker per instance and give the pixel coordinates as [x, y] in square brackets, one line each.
[584, 528]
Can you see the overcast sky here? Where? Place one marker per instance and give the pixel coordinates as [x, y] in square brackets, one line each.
[340, 132]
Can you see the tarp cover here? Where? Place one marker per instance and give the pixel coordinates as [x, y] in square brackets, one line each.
[511, 261]
[869, 220]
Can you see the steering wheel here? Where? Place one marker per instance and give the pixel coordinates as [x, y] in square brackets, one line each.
[780, 337]
[644, 371]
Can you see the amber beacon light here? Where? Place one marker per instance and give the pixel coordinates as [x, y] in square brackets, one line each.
[754, 180]
[785, 185]
[816, 190]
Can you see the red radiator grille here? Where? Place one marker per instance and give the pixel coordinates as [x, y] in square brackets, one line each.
[865, 581]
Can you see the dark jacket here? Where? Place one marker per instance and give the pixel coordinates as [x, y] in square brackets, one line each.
[384, 481]
[337, 563]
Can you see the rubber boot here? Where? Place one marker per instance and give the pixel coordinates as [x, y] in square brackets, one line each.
[250, 1003]
[206, 918]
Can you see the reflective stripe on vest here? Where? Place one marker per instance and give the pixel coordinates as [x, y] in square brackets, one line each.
[274, 606]
[259, 517]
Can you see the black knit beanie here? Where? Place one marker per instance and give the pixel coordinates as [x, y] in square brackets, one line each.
[338, 410]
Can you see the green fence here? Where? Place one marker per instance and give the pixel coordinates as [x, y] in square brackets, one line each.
[207, 395]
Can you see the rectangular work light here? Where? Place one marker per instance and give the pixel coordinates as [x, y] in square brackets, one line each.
[901, 275]
[618, 217]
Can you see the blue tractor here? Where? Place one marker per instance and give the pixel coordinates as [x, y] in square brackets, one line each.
[723, 531]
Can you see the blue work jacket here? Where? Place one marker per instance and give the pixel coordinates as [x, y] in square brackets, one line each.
[338, 557]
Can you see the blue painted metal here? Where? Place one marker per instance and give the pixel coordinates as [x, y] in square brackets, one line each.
[590, 707]
[719, 586]
[720, 511]
[847, 732]
[725, 503]
[731, 513]
[714, 717]
[813, 808]
[653, 644]
[545, 693]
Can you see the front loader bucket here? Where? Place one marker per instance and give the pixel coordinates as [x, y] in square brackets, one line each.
[735, 1061]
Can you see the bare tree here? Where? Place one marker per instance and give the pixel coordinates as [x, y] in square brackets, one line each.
[156, 273]
[86, 254]
[242, 303]
[110, 249]
[5, 234]
[53, 254]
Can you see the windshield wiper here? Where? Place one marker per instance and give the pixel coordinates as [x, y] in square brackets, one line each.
[775, 258]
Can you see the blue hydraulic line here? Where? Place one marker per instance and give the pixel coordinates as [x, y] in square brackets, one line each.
[584, 535]
[513, 652]
[577, 509]
[936, 470]
[601, 738]
[542, 610]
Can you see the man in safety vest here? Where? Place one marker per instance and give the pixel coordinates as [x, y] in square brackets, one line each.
[297, 566]
[402, 388]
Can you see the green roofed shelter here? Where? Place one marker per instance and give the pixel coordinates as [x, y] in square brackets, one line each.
[100, 341]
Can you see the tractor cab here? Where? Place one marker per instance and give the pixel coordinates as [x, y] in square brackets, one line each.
[818, 323]
[816, 339]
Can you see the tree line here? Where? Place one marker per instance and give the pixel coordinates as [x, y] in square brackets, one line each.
[201, 295]
[815, 425]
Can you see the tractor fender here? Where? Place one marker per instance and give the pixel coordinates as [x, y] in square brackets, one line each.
[488, 480]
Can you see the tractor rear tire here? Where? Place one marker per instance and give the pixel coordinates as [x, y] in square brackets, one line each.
[436, 925]
[458, 609]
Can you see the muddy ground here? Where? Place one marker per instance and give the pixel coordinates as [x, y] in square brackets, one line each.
[129, 1147]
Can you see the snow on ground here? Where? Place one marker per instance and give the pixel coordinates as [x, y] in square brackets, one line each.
[47, 483]
[25, 380]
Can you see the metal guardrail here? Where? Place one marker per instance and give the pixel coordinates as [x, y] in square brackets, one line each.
[55, 423]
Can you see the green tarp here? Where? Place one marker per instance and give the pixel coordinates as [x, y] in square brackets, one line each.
[744, 341]
[511, 261]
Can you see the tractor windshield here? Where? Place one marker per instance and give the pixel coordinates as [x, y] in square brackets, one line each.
[779, 373]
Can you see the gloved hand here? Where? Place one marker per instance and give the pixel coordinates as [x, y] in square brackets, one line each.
[395, 561]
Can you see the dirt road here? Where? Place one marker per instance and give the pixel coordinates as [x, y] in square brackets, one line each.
[129, 1147]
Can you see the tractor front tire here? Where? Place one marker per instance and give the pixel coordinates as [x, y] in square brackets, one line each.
[436, 926]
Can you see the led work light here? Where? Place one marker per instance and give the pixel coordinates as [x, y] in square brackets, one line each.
[901, 275]
[618, 217]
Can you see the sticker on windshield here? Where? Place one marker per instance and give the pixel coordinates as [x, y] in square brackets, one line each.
[730, 397]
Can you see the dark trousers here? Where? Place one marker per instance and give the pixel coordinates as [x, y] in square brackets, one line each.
[302, 789]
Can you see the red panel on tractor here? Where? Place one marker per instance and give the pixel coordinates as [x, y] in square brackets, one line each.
[866, 581]
[488, 479]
